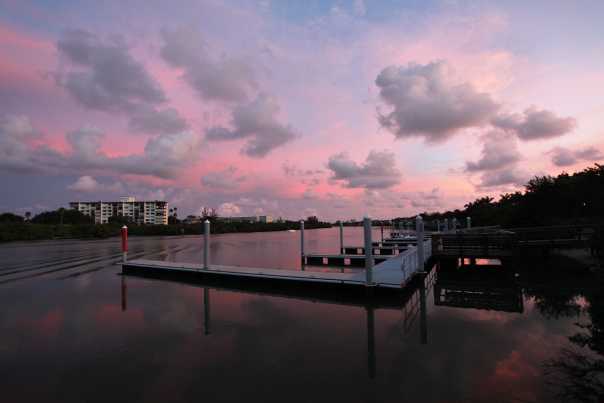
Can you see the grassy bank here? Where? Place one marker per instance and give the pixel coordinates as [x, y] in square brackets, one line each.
[24, 231]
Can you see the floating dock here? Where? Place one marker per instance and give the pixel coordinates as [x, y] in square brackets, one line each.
[377, 250]
[392, 273]
[381, 272]
[340, 260]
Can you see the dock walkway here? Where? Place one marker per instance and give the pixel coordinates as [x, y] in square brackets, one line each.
[391, 273]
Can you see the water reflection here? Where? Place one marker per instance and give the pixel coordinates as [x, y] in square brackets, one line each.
[577, 373]
[478, 288]
[411, 303]
[485, 335]
[206, 311]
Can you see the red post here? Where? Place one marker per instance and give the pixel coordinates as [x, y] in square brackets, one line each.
[124, 244]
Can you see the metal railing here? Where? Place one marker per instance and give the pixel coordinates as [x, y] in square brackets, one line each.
[409, 261]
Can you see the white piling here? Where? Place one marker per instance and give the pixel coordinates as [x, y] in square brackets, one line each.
[446, 224]
[437, 225]
[368, 251]
[454, 224]
[302, 239]
[468, 222]
[341, 237]
[206, 244]
[419, 230]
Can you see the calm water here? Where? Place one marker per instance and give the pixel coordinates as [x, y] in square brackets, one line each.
[73, 330]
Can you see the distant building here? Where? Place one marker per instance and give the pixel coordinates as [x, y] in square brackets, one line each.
[265, 218]
[250, 219]
[192, 219]
[140, 212]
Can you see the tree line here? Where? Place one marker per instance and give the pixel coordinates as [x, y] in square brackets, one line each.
[546, 200]
[69, 223]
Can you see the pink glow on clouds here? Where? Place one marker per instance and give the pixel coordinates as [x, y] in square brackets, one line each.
[327, 93]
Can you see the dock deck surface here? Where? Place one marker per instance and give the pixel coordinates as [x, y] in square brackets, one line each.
[386, 274]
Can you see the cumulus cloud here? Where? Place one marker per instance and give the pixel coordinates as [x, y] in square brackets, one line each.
[563, 157]
[379, 171]
[164, 156]
[499, 151]
[227, 179]
[426, 102]
[225, 79]
[104, 76]
[85, 184]
[498, 165]
[88, 184]
[16, 134]
[228, 210]
[256, 122]
[535, 124]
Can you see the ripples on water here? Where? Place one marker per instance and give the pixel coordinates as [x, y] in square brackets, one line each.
[73, 330]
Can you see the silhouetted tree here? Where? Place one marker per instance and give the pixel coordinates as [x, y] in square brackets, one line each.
[10, 218]
[65, 216]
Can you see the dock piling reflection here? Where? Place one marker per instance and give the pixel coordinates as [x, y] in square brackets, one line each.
[370, 342]
[206, 311]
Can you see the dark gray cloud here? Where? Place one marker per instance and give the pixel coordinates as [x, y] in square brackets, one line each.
[425, 102]
[225, 79]
[227, 179]
[563, 157]
[156, 121]
[291, 169]
[535, 124]
[102, 75]
[256, 122]
[499, 151]
[379, 170]
[504, 177]
[164, 156]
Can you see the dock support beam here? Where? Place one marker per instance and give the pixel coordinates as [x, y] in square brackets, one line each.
[368, 252]
[206, 244]
[468, 222]
[341, 238]
[419, 229]
[437, 225]
[423, 322]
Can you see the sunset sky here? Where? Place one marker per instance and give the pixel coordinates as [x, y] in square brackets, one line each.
[295, 108]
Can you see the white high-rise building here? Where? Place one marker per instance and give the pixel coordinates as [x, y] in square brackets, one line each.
[140, 212]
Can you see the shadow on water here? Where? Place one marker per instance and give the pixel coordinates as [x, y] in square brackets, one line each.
[411, 302]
